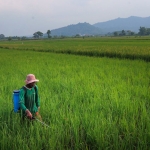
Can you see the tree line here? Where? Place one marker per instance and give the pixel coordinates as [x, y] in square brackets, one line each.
[39, 34]
[142, 32]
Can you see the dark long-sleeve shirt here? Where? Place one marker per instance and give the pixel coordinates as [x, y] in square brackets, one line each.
[29, 99]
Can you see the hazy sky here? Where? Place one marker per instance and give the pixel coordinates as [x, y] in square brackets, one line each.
[24, 17]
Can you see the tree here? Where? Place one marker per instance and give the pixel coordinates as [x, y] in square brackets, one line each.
[77, 35]
[142, 31]
[40, 34]
[9, 38]
[23, 38]
[37, 34]
[148, 31]
[2, 36]
[115, 33]
[123, 32]
[48, 33]
[132, 33]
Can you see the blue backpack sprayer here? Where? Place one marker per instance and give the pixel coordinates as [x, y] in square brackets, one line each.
[16, 100]
[16, 105]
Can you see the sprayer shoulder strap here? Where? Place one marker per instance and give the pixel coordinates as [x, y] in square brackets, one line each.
[25, 89]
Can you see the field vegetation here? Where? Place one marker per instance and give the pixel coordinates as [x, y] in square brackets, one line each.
[88, 102]
[125, 47]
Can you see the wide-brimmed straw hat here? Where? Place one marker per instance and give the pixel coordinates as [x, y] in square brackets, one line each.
[31, 78]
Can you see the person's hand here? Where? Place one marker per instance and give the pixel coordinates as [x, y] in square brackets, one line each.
[28, 113]
[38, 115]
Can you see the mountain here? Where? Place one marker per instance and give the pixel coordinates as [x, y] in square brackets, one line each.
[132, 23]
[101, 28]
[80, 28]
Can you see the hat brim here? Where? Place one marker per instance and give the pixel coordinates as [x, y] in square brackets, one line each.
[28, 82]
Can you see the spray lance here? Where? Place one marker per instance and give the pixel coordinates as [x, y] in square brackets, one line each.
[43, 123]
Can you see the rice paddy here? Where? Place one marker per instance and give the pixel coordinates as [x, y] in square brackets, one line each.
[87, 102]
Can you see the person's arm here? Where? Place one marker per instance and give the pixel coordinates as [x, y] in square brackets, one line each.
[37, 99]
[22, 103]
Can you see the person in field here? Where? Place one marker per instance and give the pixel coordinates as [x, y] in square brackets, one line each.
[29, 98]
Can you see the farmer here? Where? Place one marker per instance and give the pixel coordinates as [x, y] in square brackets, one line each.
[29, 98]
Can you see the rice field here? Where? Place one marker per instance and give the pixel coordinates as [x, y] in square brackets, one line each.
[125, 47]
[89, 103]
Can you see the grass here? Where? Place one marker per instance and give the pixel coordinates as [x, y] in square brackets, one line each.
[129, 48]
[88, 102]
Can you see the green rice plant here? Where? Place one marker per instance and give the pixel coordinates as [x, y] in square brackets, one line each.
[88, 102]
[130, 48]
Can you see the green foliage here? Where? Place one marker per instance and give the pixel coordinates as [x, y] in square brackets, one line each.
[88, 102]
[117, 47]
[48, 33]
[9, 38]
[37, 34]
[2, 36]
[144, 31]
[115, 33]
[123, 32]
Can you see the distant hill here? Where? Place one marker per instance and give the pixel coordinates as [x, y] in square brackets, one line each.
[80, 28]
[101, 28]
[132, 23]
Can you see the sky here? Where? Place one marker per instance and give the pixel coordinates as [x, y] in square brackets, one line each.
[25, 17]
